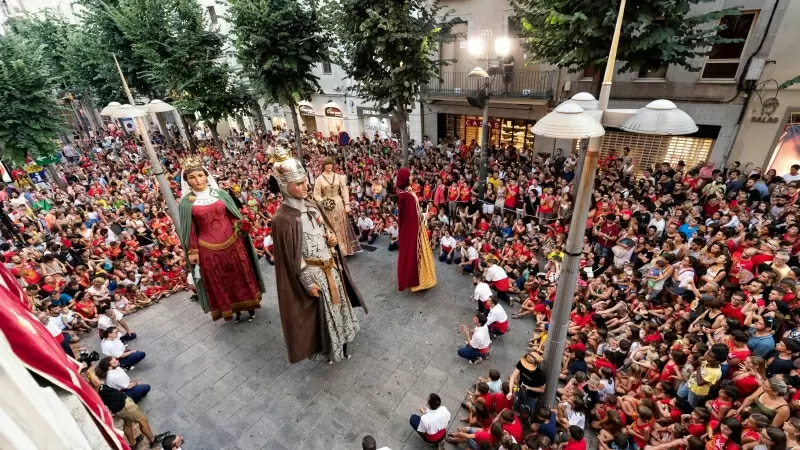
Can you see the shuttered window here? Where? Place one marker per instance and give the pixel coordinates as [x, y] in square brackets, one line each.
[648, 151]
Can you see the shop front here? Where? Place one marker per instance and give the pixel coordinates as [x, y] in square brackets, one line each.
[309, 117]
[335, 120]
[506, 132]
[374, 122]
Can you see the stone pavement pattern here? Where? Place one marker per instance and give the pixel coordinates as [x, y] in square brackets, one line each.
[230, 386]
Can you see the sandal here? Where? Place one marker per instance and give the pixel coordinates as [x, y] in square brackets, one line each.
[514, 316]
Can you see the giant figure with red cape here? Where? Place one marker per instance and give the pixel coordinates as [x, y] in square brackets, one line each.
[415, 267]
[316, 294]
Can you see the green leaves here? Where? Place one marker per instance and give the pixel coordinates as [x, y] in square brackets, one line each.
[577, 33]
[30, 120]
[278, 43]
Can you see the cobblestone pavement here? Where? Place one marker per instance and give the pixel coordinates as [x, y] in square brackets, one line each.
[230, 386]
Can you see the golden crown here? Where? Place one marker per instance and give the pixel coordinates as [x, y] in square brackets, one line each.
[191, 162]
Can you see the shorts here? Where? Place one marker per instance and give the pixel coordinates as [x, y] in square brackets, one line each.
[488, 208]
[130, 414]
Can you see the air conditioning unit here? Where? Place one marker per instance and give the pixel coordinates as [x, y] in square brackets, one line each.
[457, 90]
[527, 92]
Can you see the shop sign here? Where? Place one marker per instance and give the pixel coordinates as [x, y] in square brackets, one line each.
[493, 123]
[306, 110]
[369, 112]
[333, 111]
[764, 119]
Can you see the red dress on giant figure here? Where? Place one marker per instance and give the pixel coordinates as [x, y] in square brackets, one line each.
[415, 268]
[224, 264]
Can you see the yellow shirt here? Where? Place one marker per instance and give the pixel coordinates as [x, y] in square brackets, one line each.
[710, 374]
[494, 182]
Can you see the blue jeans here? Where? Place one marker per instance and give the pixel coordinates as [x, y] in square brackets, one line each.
[689, 396]
[394, 246]
[65, 345]
[469, 353]
[137, 392]
[132, 359]
[414, 422]
[127, 337]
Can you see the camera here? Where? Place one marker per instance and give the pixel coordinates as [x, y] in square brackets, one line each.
[88, 358]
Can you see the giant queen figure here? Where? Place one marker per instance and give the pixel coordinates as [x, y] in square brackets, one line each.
[316, 294]
[215, 239]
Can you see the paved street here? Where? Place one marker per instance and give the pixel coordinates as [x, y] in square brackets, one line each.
[230, 386]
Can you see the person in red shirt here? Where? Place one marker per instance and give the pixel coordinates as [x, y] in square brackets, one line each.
[607, 234]
[576, 440]
[511, 424]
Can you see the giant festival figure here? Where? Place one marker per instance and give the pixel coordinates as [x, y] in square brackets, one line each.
[316, 294]
[415, 267]
[215, 238]
[331, 192]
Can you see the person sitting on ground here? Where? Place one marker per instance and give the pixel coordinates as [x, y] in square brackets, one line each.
[111, 372]
[112, 345]
[432, 424]
[477, 340]
[497, 319]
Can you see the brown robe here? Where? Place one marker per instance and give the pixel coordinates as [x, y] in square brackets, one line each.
[302, 315]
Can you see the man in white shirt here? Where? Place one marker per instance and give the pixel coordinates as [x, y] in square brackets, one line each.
[482, 293]
[109, 317]
[497, 320]
[658, 222]
[432, 425]
[477, 340]
[793, 175]
[448, 249]
[268, 248]
[394, 236]
[470, 258]
[497, 278]
[366, 227]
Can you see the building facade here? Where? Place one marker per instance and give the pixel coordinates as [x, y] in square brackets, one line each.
[716, 96]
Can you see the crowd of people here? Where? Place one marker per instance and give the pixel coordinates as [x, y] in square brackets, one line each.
[684, 331]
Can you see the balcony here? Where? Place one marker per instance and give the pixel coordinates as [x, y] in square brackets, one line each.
[522, 84]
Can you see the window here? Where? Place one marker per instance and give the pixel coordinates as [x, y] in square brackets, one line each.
[514, 28]
[724, 59]
[326, 67]
[588, 72]
[649, 150]
[212, 14]
[653, 73]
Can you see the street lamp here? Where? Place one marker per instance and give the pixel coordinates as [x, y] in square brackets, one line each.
[477, 47]
[158, 106]
[660, 117]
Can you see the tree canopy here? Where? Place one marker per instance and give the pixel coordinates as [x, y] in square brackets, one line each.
[389, 49]
[30, 122]
[182, 55]
[278, 43]
[577, 33]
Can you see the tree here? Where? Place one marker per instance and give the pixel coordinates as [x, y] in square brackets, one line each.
[54, 37]
[30, 120]
[89, 56]
[577, 33]
[183, 54]
[388, 48]
[278, 42]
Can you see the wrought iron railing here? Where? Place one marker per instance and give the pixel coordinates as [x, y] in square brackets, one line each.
[518, 84]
